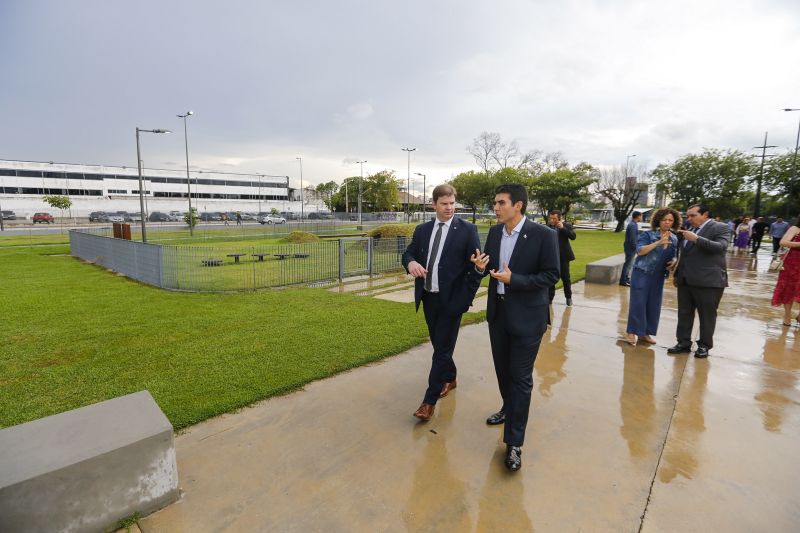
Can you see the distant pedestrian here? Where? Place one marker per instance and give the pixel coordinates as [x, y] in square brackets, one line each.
[742, 235]
[565, 234]
[787, 289]
[225, 219]
[757, 234]
[238, 218]
[629, 247]
[777, 230]
[656, 250]
[701, 277]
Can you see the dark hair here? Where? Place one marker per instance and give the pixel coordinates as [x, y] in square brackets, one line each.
[636, 214]
[797, 222]
[661, 213]
[556, 212]
[517, 192]
[445, 189]
[701, 208]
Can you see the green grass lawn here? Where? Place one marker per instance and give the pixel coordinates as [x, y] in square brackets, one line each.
[74, 334]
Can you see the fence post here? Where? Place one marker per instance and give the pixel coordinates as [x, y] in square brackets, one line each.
[341, 260]
[369, 255]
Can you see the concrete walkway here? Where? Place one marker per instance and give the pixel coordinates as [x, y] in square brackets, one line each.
[620, 438]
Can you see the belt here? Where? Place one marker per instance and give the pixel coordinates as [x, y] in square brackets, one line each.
[500, 297]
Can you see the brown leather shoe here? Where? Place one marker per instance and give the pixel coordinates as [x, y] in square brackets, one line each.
[425, 412]
[448, 386]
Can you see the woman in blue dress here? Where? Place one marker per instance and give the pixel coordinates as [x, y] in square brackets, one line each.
[655, 253]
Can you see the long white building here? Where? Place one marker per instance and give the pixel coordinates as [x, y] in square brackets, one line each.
[114, 188]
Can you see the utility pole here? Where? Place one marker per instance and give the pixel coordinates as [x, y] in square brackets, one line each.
[793, 181]
[408, 184]
[764, 156]
[360, 179]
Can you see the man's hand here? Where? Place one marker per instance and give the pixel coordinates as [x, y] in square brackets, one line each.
[672, 264]
[480, 260]
[503, 276]
[560, 225]
[417, 270]
[689, 236]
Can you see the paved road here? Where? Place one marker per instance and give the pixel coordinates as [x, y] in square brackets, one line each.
[620, 438]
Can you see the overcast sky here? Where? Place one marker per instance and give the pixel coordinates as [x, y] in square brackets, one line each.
[335, 82]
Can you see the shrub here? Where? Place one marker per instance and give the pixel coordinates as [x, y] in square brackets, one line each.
[301, 237]
[387, 231]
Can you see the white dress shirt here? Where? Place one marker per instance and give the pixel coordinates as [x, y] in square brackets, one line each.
[434, 271]
[507, 243]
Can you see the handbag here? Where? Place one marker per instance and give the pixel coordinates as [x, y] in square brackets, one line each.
[777, 264]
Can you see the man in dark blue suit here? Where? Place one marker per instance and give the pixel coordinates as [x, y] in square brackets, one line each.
[522, 259]
[439, 257]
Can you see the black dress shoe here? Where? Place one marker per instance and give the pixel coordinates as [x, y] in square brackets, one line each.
[701, 352]
[513, 458]
[679, 348]
[498, 418]
[569, 302]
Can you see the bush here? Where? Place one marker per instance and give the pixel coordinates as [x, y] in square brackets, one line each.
[299, 237]
[387, 231]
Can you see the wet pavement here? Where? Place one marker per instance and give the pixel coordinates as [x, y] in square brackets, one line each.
[620, 438]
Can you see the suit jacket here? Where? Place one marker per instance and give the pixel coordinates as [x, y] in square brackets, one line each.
[565, 235]
[702, 262]
[631, 237]
[534, 266]
[458, 281]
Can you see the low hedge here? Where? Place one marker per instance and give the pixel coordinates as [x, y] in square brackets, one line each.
[299, 237]
[387, 231]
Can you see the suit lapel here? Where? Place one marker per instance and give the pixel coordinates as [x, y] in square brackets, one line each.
[427, 230]
[451, 235]
[522, 241]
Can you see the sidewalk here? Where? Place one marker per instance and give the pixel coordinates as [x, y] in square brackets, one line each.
[619, 437]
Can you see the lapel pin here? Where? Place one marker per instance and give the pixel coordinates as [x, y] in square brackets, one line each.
[524, 235]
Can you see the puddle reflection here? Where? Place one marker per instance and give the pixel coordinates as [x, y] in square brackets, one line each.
[502, 500]
[779, 353]
[550, 368]
[637, 403]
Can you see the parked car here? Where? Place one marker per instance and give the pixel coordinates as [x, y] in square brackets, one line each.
[319, 216]
[157, 216]
[133, 217]
[9, 215]
[272, 219]
[209, 216]
[249, 216]
[43, 218]
[96, 216]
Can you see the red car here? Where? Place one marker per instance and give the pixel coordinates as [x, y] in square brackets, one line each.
[43, 217]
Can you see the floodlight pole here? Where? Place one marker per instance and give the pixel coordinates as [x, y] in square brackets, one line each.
[188, 180]
[424, 205]
[360, 179]
[141, 184]
[408, 184]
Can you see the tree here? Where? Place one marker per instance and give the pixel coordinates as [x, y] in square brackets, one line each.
[780, 178]
[621, 190]
[191, 217]
[474, 190]
[59, 202]
[561, 188]
[484, 149]
[326, 191]
[713, 177]
[381, 191]
[349, 187]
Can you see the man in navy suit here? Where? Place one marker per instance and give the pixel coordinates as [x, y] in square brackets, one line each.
[522, 259]
[439, 257]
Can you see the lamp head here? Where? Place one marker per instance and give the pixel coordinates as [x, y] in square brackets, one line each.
[190, 113]
[159, 130]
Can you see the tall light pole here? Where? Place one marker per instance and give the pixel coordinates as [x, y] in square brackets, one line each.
[259, 193]
[764, 156]
[360, 179]
[302, 208]
[794, 161]
[628, 158]
[424, 205]
[141, 185]
[408, 184]
[188, 180]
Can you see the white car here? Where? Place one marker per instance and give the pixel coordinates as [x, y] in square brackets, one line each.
[272, 219]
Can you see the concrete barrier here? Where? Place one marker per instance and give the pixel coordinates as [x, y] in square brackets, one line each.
[606, 271]
[86, 469]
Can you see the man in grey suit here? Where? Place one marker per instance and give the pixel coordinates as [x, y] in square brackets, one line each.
[701, 277]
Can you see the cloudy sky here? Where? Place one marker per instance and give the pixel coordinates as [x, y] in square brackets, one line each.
[335, 82]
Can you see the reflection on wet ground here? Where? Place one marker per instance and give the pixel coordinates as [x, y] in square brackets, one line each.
[621, 438]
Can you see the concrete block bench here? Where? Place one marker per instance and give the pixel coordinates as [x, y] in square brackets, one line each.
[606, 271]
[86, 469]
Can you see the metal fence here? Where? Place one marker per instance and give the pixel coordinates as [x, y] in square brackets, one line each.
[239, 265]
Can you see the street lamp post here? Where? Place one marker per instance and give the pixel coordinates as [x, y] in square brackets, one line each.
[141, 185]
[360, 179]
[188, 180]
[259, 194]
[424, 205]
[794, 161]
[302, 207]
[408, 184]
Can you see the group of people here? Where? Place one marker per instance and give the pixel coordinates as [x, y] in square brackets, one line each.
[525, 260]
[748, 233]
[696, 255]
